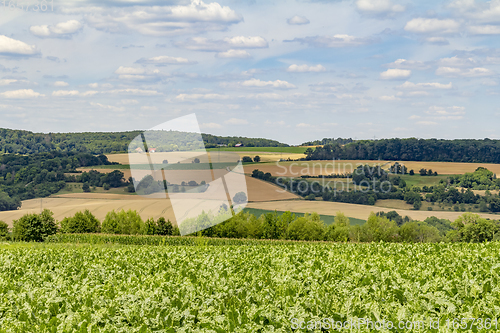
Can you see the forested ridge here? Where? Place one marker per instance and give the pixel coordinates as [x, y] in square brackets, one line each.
[412, 149]
[26, 142]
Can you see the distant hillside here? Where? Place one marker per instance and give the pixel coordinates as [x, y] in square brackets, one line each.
[412, 149]
[26, 142]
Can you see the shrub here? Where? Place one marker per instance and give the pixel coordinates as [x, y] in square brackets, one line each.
[4, 229]
[256, 159]
[81, 223]
[247, 159]
[106, 186]
[34, 227]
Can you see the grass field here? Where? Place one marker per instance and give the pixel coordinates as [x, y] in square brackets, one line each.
[417, 180]
[253, 288]
[328, 219]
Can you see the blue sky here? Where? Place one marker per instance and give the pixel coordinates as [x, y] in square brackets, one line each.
[288, 70]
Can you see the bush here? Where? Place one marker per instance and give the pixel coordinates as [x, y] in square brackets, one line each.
[4, 229]
[34, 227]
[246, 159]
[256, 159]
[81, 223]
[106, 186]
[86, 187]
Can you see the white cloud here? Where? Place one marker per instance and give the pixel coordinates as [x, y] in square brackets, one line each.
[332, 41]
[165, 60]
[426, 123]
[457, 62]
[408, 64]
[7, 82]
[437, 40]
[60, 30]
[61, 84]
[432, 25]
[265, 96]
[133, 91]
[395, 74]
[298, 20]
[237, 42]
[389, 98]
[102, 85]
[378, 6]
[450, 112]
[435, 85]
[261, 84]
[21, 94]
[107, 107]
[304, 125]
[306, 68]
[66, 93]
[187, 97]
[484, 29]
[210, 125]
[13, 47]
[129, 71]
[129, 101]
[61, 93]
[195, 17]
[148, 108]
[236, 121]
[471, 72]
[236, 54]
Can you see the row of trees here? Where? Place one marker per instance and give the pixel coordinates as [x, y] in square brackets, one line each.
[35, 227]
[387, 227]
[485, 151]
[25, 142]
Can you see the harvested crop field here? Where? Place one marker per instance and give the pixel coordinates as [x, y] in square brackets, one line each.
[352, 210]
[101, 203]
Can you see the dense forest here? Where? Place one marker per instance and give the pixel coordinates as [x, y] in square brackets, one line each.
[462, 150]
[25, 142]
[39, 175]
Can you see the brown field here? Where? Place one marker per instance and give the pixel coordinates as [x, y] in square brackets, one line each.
[352, 210]
[101, 203]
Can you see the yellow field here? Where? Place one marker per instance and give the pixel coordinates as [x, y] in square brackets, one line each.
[352, 210]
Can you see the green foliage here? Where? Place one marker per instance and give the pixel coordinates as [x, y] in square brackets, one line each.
[84, 222]
[34, 227]
[256, 159]
[165, 288]
[4, 229]
[473, 229]
[164, 227]
[124, 222]
[247, 159]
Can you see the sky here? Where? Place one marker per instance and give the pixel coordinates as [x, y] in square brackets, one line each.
[290, 70]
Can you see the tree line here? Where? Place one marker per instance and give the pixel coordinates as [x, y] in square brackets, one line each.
[412, 149]
[386, 227]
[26, 142]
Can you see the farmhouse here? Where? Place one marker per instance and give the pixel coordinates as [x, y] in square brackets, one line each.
[238, 145]
[152, 150]
[138, 150]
